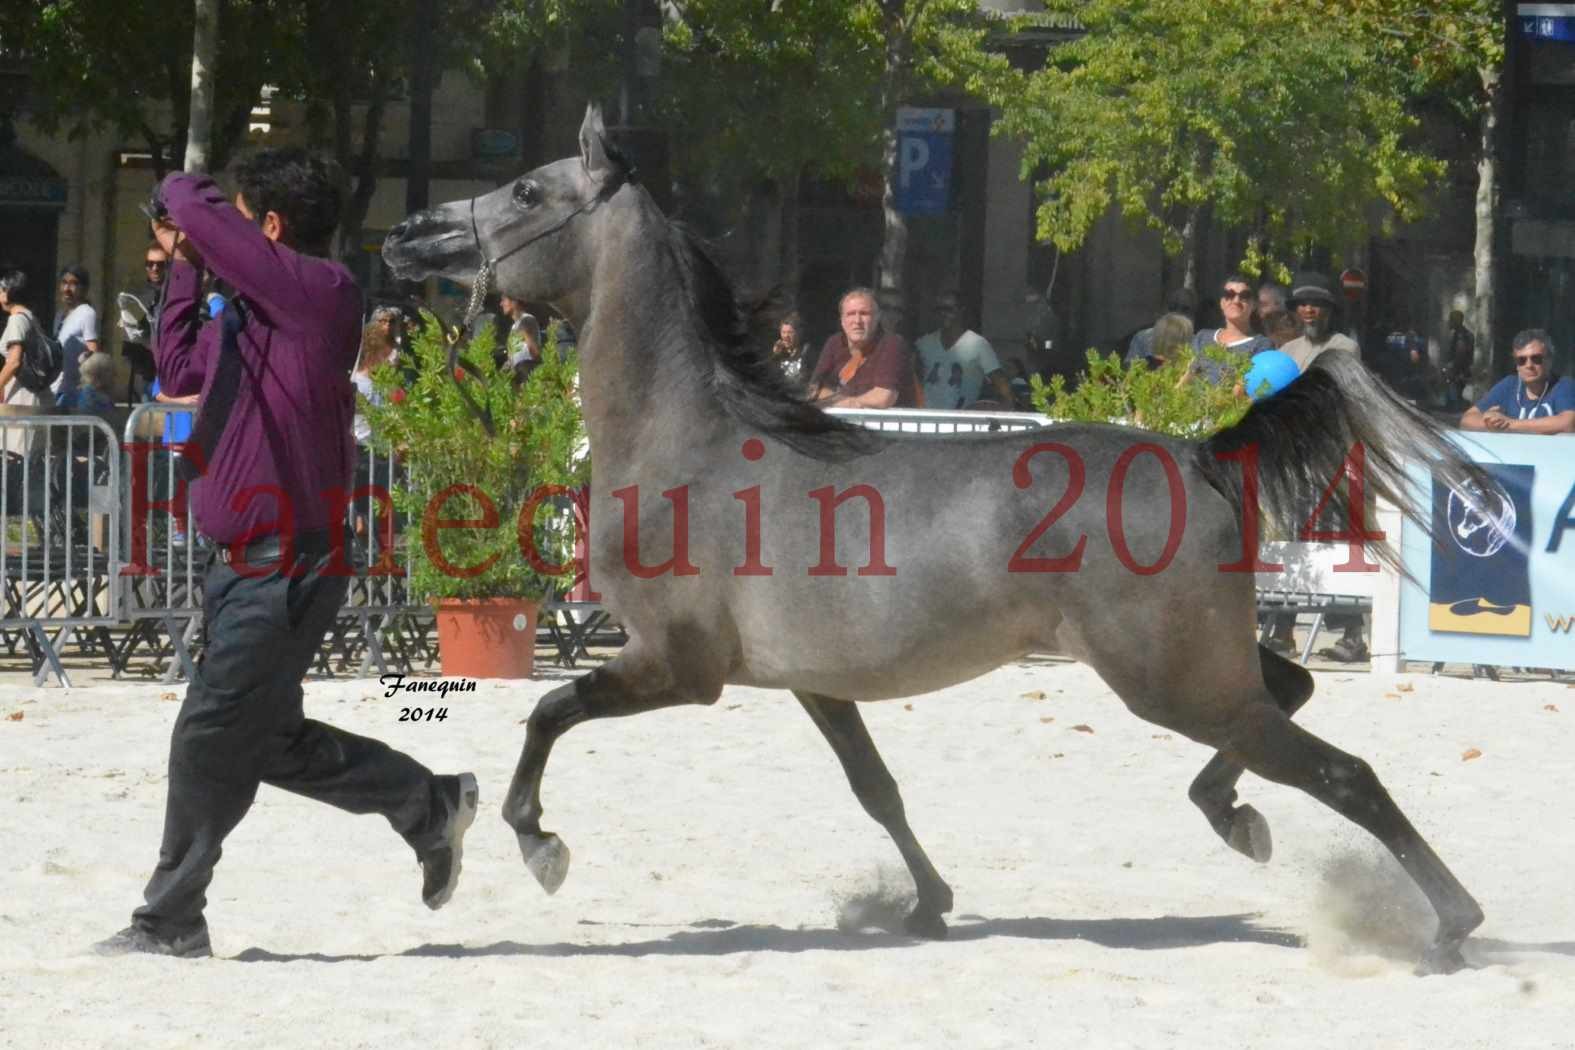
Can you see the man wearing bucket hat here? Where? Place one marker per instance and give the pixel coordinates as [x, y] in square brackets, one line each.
[1314, 305]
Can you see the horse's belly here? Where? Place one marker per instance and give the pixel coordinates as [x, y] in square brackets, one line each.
[860, 663]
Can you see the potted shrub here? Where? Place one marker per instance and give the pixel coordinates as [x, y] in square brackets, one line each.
[1160, 399]
[473, 469]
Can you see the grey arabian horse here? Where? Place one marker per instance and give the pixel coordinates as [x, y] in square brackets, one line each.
[744, 537]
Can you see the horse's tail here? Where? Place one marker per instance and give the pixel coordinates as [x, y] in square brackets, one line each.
[1305, 435]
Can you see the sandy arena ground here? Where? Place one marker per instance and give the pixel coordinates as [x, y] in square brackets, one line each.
[728, 891]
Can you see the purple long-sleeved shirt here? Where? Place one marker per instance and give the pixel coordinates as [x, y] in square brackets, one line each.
[286, 452]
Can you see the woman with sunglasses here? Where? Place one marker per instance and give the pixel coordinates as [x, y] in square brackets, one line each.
[1237, 300]
[1530, 401]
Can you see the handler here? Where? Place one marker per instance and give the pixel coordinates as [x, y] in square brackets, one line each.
[274, 434]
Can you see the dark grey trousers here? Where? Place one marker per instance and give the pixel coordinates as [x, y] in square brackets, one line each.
[242, 725]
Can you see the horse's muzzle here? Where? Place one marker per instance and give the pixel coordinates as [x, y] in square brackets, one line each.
[429, 243]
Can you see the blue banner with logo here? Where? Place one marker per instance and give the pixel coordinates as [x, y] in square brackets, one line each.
[1548, 21]
[923, 179]
[1496, 584]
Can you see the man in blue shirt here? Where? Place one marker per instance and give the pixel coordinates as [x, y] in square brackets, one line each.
[273, 440]
[1530, 401]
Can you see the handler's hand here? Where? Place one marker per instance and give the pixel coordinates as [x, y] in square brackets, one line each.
[174, 242]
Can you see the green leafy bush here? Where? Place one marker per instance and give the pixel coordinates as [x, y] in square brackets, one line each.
[460, 474]
[1168, 399]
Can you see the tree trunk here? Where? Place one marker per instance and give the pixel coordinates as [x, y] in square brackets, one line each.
[894, 239]
[204, 50]
[365, 169]
[1189, 249]
[1484, 255]
[790, 262]
[423, 77]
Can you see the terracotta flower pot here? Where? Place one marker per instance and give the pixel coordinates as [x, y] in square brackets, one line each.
[486, 637]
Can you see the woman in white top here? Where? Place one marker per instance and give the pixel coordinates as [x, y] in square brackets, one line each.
[1237, 300]
[379, 340]
[21, 328]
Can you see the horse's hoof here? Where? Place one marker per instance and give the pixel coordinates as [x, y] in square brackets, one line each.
[926, 924]
[1249, 834]
[546, 858]
[1441, 958]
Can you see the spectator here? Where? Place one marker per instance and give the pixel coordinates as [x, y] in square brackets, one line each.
[378, 347]
[95, 392]
[1180, 308]
[788, 351]
[524, 334]
[1281, 329]
[139, 319]
[21, 330]
[862, 366]
[1460, 353]
[1171, 333]
[1315, 305]
[1530, 401]
[76, 328]
[1022, 388]
[1273, 304]
[1237, 300]
[954, 361]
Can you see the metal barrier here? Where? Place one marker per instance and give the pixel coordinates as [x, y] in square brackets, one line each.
[922, 421]
[161, 584]
[379, 613]
[163, 581]
[60, 555]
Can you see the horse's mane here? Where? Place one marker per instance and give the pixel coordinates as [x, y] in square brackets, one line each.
[743, 379]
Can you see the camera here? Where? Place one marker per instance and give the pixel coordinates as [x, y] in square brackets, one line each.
[154, 208]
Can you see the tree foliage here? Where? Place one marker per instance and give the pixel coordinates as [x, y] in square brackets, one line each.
[110, 63]
[1281, 118]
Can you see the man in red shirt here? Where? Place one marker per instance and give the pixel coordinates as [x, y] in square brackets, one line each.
[862, 366]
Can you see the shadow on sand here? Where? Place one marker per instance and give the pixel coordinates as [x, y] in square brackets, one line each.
[720, 937]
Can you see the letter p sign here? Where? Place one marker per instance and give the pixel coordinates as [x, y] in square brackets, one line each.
[913, 158]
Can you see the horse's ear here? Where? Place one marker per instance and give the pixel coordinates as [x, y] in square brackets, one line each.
[593, 148]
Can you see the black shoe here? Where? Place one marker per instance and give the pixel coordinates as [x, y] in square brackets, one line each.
[440, 864]
[1348, 651]
[134, 940]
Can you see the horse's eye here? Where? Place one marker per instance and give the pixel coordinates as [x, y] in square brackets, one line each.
[526, 193]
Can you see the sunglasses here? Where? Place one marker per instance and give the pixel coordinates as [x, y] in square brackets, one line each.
[151, 263]
[1245, 296]
[1529, 359]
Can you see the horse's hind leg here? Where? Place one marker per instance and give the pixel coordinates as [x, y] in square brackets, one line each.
[843, 727]
[1214, 791]
[1272, 746]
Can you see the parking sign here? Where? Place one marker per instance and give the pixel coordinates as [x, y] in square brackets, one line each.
[924, 160]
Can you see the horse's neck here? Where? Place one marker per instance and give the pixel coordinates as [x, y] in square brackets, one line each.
[644, 373]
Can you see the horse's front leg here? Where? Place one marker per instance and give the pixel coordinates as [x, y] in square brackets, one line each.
[621, 687]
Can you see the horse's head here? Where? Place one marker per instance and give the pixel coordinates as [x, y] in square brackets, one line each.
[529, 229]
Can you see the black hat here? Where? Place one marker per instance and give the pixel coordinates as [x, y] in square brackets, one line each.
[1311, 288]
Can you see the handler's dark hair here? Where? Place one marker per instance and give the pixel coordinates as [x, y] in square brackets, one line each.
[300, 187]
